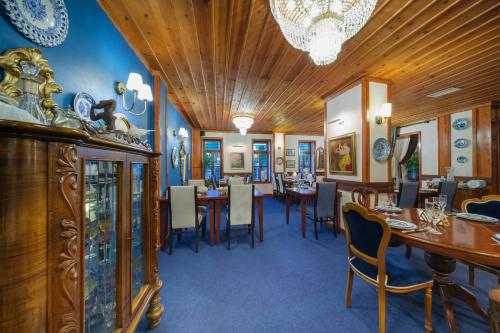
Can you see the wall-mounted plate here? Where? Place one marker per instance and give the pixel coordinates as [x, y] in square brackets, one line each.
[461, 143]
[462, 159]
[279, 160]
[175, 157]
[381, 149]
[82, 103]
[44, 22]
[461, 124]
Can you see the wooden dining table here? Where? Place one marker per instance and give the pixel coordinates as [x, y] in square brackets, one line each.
[305, 195]
[459, 240]
[214, 199]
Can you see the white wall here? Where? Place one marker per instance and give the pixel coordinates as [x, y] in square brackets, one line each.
[279, 151]
[377, 96]
[428, 145]
[234, 142]
[292, 142]
[465, 169]
[348, 107]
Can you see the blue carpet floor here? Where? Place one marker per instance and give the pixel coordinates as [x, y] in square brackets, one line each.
[290, 284]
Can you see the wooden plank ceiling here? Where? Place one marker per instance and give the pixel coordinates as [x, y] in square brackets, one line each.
[221, 57]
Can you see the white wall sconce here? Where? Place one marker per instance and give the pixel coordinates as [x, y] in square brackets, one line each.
[183, 133]
[140, 90]
[338, 120]
[385, 113]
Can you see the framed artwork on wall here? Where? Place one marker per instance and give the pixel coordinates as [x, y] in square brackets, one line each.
[237, 160]
[342, 155]
[290, 164]
[290, 152]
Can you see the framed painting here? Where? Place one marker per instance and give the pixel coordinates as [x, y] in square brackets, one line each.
[290, 152]
[237, 160]
[290, 164]
[342, 155]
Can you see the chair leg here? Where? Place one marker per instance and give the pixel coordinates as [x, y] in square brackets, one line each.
[253, 235]
[408, 252]
[197, 239]
[381, 310]
[472, 274]
[203, 227]
[334, 227]
[170, 243]
[228, 235]
[316, 228]
[428, 310]
[350, 276]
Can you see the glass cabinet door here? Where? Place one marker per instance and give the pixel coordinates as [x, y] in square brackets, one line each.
[138, 230]
[101, 203]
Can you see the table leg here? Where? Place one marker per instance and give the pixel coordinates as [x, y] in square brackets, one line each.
[212, 221]
[442, 268]
[287, 200]
[217, 222]
[261, 219]
[303, 208]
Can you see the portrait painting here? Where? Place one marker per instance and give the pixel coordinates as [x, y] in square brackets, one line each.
[342, 155]
[237, 160]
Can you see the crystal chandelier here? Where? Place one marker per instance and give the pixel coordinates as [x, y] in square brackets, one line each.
[321, 26]
[243, 122]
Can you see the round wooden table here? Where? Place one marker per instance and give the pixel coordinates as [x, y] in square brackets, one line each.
[461, 239]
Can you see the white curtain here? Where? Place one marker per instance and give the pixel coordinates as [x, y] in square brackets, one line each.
[400, 150]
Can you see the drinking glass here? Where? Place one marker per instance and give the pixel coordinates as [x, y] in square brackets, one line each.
[442, 199]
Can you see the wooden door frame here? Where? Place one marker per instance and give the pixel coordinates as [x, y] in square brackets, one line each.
[221, 154]
[419, 147]
[269, 158]
[313, 153]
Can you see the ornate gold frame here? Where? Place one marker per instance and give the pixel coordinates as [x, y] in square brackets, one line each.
[10, 63]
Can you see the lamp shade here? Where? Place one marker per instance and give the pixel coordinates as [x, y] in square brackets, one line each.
[145, 93]
[183, 133]
[385, 110]
[134, 82]
[243, 121]
[243, 131]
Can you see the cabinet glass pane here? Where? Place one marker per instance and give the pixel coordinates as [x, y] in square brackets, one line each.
[101, 201]
[138, 201]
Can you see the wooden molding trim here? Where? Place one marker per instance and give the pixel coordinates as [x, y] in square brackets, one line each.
[349, 185]
[444, 146]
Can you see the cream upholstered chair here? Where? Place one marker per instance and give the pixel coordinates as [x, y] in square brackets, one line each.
[199, 183]
[275, 186]
[183, 213]
[235, 181]
[240, 210]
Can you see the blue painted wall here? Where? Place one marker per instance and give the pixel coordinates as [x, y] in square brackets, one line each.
[93, 56]
[175, 121]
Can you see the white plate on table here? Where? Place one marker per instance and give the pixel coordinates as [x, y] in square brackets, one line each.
[401, 225]
[389, 209]
[477, 217]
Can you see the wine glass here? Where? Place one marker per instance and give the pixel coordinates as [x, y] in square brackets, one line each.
[443, 200]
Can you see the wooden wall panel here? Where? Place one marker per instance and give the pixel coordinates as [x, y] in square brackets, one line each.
[484, 141]
[196, 153]
[444, 146]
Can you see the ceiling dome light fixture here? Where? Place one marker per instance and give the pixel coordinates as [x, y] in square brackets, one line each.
[321, 26]
[243, 122]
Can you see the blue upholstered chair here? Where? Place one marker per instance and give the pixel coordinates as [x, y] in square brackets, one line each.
[488, 205]
[407, 198]
[450, 189]
[325, 205]
[368, 236]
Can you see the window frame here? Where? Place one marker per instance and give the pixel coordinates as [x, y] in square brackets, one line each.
[221, 151]
[269, 150]
[312, 155]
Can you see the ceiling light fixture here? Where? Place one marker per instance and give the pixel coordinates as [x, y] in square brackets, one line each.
[444, 92]
[321, 26]
[243, 122]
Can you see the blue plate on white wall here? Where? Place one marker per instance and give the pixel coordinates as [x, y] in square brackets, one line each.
[381, 149]
[462, 159]
[461, 143]
[82, 103]
[44, 22]
[461, 124]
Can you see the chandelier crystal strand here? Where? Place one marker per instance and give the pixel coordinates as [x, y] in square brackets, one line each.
[321, 26]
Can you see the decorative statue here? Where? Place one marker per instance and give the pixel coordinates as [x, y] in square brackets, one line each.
[182, 153]
[109, 106]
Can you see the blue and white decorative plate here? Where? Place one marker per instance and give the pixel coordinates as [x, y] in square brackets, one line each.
[45, 22]
[461, 143]
[381, 149]
[462, 159]
[82, 103]
[461, 124]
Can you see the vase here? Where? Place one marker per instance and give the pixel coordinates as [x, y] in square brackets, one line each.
[30, 84]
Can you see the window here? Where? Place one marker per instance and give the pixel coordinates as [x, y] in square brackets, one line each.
[306, 156]
[212, 158]
[261, 170]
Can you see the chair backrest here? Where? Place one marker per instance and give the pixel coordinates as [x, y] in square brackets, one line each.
[196, 182]
[408, 195]
[281, 188]
[367, 236]
[450, 189]
[240, 208]
[214, 182]
[488, 205]
[325, 200]
[183, 210]
[235, 181]
[273, 181]
[361, 195]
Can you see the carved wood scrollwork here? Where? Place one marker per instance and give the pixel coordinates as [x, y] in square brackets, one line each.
[155, 173]
[68, 260]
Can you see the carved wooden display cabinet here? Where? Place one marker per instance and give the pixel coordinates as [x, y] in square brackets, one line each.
[79, 232]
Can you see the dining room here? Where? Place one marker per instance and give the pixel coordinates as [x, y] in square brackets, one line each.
[250, 166]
